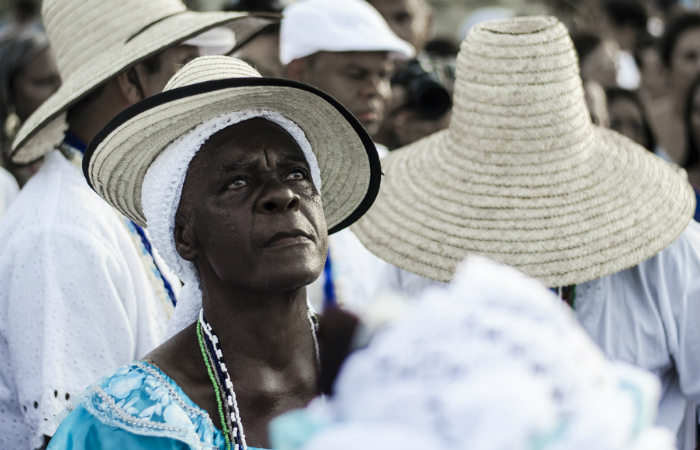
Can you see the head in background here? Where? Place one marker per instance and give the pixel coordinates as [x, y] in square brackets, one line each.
[597, 58]
[346, 49]
[653, 83]
[28, 76]
[624, 21]
[691, 118]
[628, 117]
[411, 20]
[680, 53]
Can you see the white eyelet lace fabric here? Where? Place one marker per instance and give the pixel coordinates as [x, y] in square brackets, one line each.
[492, 362]
[162, 189]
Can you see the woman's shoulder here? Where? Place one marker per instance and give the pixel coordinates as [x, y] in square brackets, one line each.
[144, 402]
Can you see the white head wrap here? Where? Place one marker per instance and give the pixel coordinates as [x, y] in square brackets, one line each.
[493, 361]
[162, 189]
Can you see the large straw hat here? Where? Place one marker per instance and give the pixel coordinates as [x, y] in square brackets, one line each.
[116, 161]
[94, 40]
[521, 176]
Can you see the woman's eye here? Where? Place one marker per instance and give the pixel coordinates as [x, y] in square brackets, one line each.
[296, 175]
[237, 183]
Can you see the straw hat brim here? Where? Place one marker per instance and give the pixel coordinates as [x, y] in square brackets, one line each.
[45, 128]
[611, 207]
[117, 159]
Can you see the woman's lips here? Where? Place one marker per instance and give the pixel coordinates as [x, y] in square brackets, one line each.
[367, 116]
[288, 238]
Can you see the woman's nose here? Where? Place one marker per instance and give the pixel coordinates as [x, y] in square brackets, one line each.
[277, 197]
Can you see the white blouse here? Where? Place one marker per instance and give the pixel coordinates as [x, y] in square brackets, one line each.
[76, 300]
[8, 190]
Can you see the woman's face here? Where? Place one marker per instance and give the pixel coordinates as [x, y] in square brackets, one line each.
[250, 216]
[685, 61]
[600, 64]
[695, 117]
[626, 118]
[35, 83]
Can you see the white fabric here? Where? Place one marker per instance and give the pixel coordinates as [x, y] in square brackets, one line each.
[162, 189]
[649, 316]
[8, 190]
[75, 300]
[494, 361]
[628, 76]
[646, 316]
[311, 26]
[217, 41]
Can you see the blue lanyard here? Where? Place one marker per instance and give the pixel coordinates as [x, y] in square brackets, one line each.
[329, 298]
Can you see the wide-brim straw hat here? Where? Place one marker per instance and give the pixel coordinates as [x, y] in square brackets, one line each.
[521, 175]
[117, 159]
[95, 40]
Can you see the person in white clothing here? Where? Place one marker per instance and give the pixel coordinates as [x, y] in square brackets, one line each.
[345, 48]
[523, 177]
[82, 291]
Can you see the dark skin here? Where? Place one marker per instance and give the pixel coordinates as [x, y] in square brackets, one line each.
[252, 222]
[360, 81]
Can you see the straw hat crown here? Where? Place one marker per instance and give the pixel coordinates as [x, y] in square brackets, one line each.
[521, 175]
[209, 69]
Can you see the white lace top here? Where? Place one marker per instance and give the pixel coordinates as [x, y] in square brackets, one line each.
[76, 301]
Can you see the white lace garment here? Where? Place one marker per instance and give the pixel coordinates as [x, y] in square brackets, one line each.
[493, 362]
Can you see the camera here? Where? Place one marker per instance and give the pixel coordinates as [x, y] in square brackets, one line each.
[424, 89]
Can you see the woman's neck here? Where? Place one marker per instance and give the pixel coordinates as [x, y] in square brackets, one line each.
[263, 329]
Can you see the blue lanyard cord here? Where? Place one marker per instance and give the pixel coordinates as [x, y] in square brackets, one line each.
[75, 142]
[147, 245]
[329, 298]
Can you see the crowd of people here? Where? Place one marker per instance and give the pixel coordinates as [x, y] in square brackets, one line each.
[315, 225]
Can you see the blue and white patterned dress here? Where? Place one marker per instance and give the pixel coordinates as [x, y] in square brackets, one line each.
[137, 407]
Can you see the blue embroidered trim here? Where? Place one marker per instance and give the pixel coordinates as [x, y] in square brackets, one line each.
[147, 245]
[330, 300]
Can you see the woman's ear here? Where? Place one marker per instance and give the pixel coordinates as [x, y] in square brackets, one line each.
[186, 242]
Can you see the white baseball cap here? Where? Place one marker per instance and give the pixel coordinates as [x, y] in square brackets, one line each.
[311, 26]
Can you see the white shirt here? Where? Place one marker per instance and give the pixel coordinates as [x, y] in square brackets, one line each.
[76, 302]
[8, 190]
[648, 316]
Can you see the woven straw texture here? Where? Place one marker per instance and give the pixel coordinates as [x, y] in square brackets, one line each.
[94, 40]
[119, 164]
[521, 176]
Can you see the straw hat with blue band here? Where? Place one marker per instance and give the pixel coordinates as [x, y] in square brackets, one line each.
[117, 160]
[95, 40]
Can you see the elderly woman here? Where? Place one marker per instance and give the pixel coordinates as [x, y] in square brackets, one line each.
[239, 179]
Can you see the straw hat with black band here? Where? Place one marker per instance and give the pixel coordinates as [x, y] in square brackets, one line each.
[522, 176]
[95, 40]
[139, 161]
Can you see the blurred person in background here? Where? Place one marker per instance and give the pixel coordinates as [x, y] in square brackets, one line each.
[411, 20]
[628, 117]
[24, 15]
[597, 58]
[597, 104]
[680, 55]
[81, 290]
[28, 76]
[346, 49]
[653, 85]
[692, 122]
[263, 50]
[625, 22]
